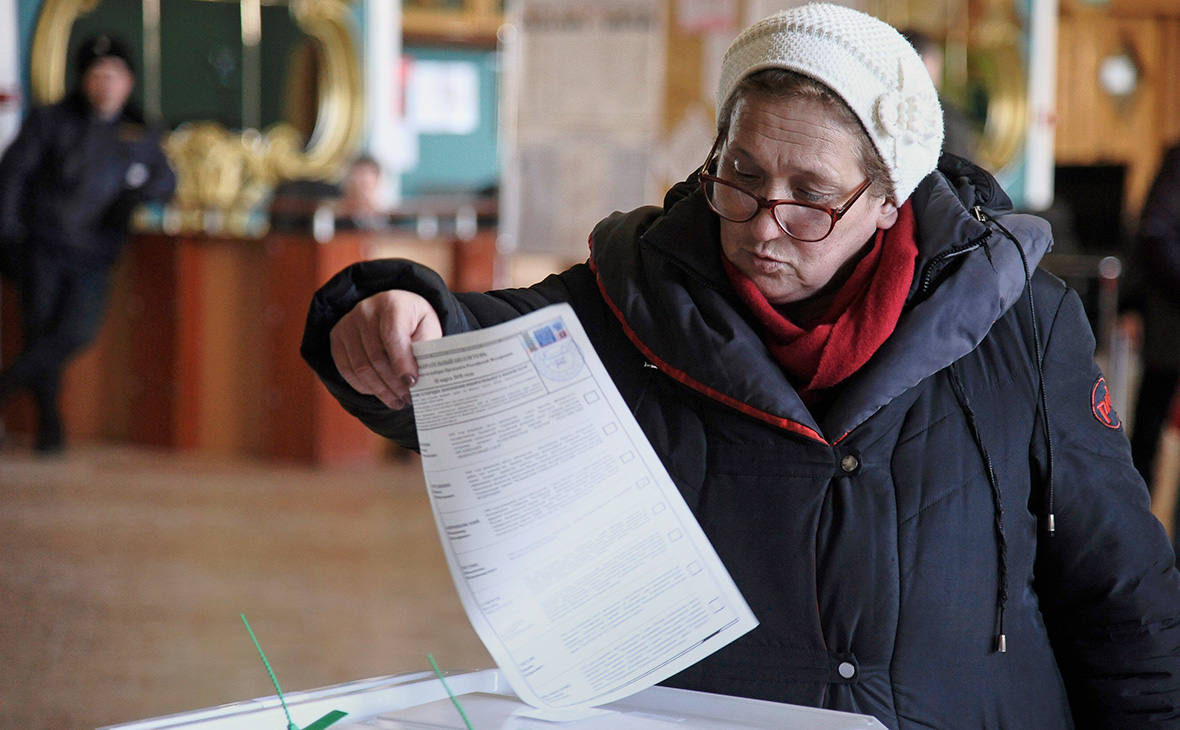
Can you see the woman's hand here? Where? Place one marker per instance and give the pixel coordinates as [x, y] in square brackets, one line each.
[371, 344]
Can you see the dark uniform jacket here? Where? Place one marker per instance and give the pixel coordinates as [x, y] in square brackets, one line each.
[905, 529]
[70, 181]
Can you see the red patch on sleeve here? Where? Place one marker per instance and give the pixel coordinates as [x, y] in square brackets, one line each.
[1102, 407]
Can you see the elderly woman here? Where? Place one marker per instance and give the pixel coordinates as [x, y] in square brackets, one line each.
[890, 427]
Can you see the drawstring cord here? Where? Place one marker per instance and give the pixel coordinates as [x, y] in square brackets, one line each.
[1001, 540]
[1051, 523]
[1001, 644]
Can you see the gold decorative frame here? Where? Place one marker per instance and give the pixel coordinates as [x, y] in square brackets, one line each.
[984, 40]
[476, 21]
[995, 45]
[223, 175]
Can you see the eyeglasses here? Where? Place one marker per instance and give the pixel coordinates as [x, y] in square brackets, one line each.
[807, 222]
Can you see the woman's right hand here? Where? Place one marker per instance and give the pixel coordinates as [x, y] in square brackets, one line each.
[371, 344]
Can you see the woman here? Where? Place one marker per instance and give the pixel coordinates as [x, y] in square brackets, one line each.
[839, 354]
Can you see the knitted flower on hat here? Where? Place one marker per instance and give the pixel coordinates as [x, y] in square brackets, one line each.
[867, 63]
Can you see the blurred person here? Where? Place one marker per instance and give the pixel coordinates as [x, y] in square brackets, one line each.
[1165, 476]
[1156, 276]
[68, 186]
[361, 206]
[960, 137]
[888, 423]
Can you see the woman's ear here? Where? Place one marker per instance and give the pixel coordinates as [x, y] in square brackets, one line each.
[887, 215]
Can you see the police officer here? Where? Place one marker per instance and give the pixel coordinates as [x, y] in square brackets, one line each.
[68, 185]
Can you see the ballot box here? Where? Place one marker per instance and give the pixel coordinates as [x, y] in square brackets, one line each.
[419, 701]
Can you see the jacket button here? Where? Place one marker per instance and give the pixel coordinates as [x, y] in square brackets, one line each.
[849, 463]
[846, 669]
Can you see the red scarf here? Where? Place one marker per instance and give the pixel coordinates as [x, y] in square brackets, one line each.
[860, 318]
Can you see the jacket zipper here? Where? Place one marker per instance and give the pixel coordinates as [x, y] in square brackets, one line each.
[936, 264]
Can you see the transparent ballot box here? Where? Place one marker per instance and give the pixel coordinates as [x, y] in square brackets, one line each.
[419, 701]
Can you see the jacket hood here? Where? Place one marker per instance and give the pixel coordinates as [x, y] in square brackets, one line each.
[660, 271]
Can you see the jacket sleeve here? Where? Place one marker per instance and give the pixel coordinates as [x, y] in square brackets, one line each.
[456, 312]
[1159, 229]
[161, 180]
[149, 178]
[1106, 580]
[21, 159]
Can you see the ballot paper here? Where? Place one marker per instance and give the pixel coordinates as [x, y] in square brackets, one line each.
[578, 563]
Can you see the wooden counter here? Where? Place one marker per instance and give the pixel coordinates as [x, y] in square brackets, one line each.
[200, 347]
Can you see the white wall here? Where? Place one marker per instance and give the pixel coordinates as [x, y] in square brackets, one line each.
[1042, 102]
[382, 82]
[10, 89]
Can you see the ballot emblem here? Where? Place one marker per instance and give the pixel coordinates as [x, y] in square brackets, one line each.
[554, 353]
[1102, 407]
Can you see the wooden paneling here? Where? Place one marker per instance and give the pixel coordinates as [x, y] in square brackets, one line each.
[1161, 8]
[233, 359]
[1166, 86]
[1092, 126]
[473, 263]
[164, 373]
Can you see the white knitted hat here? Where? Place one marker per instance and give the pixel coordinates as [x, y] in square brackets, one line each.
[867, 63]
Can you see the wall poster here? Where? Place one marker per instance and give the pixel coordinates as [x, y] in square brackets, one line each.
[584, 90]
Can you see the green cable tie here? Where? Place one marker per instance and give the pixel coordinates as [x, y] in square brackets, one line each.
[326, 720]
[319, 724]
[454, 699]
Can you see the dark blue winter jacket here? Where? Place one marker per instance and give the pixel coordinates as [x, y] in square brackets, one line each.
[70, 180]
[938, 505]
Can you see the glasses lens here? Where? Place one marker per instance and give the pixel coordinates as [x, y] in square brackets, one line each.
[729, 202]
[802, 222]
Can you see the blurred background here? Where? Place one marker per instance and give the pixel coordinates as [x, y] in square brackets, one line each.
[208, 471]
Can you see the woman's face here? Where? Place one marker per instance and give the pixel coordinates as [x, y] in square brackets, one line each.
[793, 149]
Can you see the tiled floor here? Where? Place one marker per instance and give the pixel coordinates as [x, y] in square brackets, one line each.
[123, 573]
